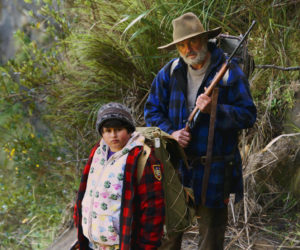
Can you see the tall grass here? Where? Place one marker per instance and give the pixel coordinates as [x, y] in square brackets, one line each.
[113, 52]
[107, 51]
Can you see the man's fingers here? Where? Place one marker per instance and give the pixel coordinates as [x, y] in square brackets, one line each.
[203, 98]
[203, 103]
[183, 143]
[182, 137]
[185, 134]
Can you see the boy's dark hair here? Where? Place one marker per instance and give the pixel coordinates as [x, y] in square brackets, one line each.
[116, 123]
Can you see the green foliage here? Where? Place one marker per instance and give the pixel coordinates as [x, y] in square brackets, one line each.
[36, 184]
[114, 55]
[34, 193]
[87, 53]
[33, 182]
[278, 25]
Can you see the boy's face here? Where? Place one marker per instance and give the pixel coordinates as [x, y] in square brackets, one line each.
[115, 138]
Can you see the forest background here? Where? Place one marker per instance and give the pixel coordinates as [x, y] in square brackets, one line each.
[73, 56]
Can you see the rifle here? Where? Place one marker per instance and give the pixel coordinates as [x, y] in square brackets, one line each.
[189, 125]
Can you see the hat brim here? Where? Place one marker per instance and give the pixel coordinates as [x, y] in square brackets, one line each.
[210, 34]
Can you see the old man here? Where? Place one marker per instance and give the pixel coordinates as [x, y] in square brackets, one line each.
[178, 87]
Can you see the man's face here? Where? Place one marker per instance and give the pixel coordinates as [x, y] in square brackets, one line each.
[193, 50]
[115, 138]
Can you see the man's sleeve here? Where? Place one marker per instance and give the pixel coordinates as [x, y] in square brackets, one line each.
[239, 111]
[156, 107]
[152, 206]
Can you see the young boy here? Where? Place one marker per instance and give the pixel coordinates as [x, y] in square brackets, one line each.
[115, 210]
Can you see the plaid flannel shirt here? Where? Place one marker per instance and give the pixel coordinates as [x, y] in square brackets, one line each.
[166, 108]
[142, 207]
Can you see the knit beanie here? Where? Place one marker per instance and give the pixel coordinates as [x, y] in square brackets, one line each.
[114, 110]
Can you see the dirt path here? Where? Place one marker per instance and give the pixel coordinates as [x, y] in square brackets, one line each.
[69, 237]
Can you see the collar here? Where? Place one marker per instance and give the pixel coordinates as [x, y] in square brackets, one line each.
[135, 140]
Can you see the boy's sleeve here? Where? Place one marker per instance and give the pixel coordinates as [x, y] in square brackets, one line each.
[150, 191]
[75, 215]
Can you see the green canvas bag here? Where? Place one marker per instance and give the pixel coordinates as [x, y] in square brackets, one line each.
[179, 200]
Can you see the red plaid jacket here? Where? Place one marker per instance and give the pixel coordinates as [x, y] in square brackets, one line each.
[142, 205]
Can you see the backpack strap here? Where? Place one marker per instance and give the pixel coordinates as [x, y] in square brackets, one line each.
[142, 161]
[174, 64]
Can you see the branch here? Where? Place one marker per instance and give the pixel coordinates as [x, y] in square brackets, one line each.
[276, 139]
[287, 3]
[277, 67]
[13, 95]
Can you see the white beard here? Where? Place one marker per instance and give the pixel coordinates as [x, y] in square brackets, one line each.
[200, 56]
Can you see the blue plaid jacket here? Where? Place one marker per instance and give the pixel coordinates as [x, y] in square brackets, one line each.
[166, 108]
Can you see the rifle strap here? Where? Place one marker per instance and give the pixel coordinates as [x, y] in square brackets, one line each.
[210, 142]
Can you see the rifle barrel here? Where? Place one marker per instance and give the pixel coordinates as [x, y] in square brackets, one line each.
[240, 43]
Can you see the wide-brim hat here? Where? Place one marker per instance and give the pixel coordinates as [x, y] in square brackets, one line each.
[187, 26]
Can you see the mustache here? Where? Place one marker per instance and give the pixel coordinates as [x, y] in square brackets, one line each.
[192, 53]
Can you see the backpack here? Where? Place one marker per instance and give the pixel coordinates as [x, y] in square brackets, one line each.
[179, 200]
[228, 43]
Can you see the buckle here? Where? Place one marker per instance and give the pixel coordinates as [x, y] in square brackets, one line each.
[203, 160]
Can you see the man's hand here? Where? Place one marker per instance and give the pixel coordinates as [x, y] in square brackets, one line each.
[203, 103]
[182, 136]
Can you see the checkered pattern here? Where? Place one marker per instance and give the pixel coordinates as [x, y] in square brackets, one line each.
[166, 108]
[142, 208]
[148, 217]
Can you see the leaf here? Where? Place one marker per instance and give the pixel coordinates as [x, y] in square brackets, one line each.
[162, 7]
[30, 13]
[135, 21]
[25, 220]
[122, 20]
[138, 32]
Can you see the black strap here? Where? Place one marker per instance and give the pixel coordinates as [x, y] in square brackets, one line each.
[195, 160]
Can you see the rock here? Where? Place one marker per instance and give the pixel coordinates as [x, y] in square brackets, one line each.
[278, 164]
[13, 16]
[66, 240]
